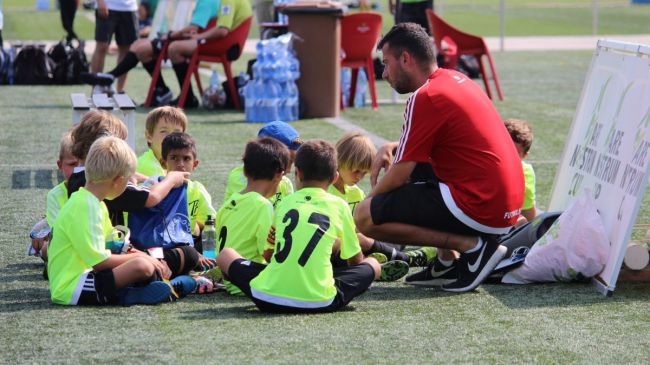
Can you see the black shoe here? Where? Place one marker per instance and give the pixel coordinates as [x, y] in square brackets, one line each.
[190, 103]
[436, 274]
[97, 79]
[474, 267]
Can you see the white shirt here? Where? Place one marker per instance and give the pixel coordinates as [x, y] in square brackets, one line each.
[122, 5]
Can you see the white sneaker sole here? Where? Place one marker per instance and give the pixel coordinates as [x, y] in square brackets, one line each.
[497, 256]
[434, 283]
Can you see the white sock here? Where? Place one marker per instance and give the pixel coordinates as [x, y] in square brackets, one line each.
[479, 244]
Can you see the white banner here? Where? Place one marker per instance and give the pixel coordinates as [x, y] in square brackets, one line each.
[608, 147]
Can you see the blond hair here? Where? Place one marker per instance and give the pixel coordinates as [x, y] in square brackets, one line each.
[109, 157]
[355, 152]
[65, 146]
[520, 132]
[93, 125]
[172, 115]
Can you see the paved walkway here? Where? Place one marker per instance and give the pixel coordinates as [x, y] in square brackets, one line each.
[550, 43]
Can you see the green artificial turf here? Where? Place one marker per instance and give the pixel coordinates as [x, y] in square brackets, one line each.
[392, 323]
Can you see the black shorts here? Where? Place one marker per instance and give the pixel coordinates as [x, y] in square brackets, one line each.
[350, 282]
[420, 204]
[173, 259]
[124, 24]
[98, 289]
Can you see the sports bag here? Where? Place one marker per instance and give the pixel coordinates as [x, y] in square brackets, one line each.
[70, 62]
[33, 66]
[166, 225]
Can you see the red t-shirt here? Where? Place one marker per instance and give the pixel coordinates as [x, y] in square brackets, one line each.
[450, 123]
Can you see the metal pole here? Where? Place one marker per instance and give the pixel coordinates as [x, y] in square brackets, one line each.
[594, 17]
[502, 24]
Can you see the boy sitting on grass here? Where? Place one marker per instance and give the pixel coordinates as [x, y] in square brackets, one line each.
[355, 152]
[244, 220]
[179, 154]
[96, 124]
[284, 133]
[300, 277]
[522, 136]
[160, 122]
[81, 270]
[56, 197]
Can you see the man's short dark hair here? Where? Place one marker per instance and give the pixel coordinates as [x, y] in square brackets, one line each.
[317, 160]
[265, 157]
[412, 38]
[177, 141]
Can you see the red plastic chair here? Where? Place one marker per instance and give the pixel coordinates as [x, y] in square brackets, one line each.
[224, 51]
[464, 44]
[359, 35]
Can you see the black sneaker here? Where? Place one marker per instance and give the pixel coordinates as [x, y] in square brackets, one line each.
[474, 267]
[436, 274]
[97, 78]
[190, 103]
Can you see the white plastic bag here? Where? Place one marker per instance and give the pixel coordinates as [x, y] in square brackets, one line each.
[575, 247]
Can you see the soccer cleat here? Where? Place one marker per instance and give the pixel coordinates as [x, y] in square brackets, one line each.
[213, 274]
[393, 270]
[474, 267]
[99, 78]
[104, 89]
[421, 257]
[380, 257]
[162, 97]
[154, 293]
[436, 274]
[182, 285]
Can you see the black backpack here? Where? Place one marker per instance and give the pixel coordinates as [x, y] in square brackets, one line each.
[70, 62]
[33, 66]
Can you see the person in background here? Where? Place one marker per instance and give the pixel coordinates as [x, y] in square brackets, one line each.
[68, 12]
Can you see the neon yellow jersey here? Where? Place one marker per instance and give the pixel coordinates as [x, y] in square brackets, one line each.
[243, 223]
[56, 198]
[199, 203]
[149, 165]
[529, 186]
[237, 182]
[233, 13]
[353, 195]
[78, 243]
[300, 273]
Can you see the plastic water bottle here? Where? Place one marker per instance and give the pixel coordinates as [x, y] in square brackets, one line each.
[241, 83]
[251, 100]
[346, 76]
[209, 239]
[292, 101]
[270, 100]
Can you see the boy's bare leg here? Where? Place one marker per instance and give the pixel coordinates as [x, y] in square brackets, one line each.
[226, 258]
[376, 267]
[180, 50]
[133, 271]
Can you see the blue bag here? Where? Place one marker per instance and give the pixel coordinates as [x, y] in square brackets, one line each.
[166, 225]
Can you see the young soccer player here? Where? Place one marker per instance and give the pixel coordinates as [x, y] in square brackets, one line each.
[81, 270]
[160, 122]
[355, 152]
[179, 154]
[244, 220]
[284, 133]
[522, 136]
[58, 196]
[300, 277]
[96, 124]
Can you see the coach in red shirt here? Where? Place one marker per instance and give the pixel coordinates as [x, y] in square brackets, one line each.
[454, 179]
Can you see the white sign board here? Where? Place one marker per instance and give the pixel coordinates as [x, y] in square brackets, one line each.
[608, 148]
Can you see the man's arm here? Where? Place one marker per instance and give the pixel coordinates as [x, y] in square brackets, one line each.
[212, 33]
[396, 176]
[383, 159]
